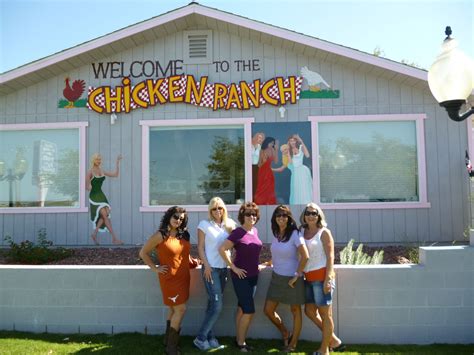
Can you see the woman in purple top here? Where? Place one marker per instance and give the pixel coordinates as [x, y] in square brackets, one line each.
[244, 268]
[289, 257]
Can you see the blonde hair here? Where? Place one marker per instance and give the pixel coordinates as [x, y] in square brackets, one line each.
[284, 157]
[94, 157]
[228, 223]
[321, 218]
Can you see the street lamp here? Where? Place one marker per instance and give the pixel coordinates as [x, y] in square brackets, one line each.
[12, 175]
[451, 78]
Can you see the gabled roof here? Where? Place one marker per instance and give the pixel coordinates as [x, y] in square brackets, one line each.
[193, 15]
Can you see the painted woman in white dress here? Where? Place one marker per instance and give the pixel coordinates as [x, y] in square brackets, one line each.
[301, 183]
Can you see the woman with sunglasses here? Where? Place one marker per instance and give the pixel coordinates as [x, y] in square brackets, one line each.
[244, 268]
[289, 257]
[211, 233]
[319, 275]
[171, 242]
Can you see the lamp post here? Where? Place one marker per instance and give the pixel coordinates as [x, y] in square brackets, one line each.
[451, 81]
[12, 175]
[451, 78]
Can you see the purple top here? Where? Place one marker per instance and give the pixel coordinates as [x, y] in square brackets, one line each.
[247, 247]
[285, 257]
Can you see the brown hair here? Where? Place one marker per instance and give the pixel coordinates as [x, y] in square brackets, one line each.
[248, 206]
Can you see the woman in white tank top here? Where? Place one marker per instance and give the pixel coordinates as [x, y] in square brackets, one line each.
[319, 275]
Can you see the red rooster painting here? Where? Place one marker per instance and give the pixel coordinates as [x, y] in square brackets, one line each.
[73, 93]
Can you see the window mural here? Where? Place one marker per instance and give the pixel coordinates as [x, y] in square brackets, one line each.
[281, 163]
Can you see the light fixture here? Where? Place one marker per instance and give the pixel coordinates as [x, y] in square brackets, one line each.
[282, 111]
[451, 78]
[113, 118]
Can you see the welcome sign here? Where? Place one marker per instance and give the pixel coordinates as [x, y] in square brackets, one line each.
[186, 89]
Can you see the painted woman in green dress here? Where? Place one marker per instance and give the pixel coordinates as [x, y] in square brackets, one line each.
[99, 206]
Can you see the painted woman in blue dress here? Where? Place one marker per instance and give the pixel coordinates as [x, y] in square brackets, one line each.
[301, 183]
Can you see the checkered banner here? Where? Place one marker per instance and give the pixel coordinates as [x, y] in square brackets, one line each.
[105, 100]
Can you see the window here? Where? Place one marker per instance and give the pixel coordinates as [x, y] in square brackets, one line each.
[187, 164]
[42, 167]
[369, 161]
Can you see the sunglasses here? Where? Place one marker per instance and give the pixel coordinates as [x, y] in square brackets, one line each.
[178, 217]
[311, 213]
[217, 208]
[250, 214]
[281, 215]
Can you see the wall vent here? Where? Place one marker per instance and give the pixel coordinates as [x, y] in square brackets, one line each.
[197, 47]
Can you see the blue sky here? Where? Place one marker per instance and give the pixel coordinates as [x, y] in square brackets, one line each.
[410, 30]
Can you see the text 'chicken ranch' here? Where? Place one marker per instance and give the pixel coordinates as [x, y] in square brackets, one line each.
[184, 88]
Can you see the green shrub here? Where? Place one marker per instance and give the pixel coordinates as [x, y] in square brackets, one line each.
[28, 252]
[358, 257]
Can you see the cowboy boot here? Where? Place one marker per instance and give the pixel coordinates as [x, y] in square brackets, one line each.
[172, 346]
[165, 338]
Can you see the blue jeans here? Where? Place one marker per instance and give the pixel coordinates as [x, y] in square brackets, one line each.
[215, 291]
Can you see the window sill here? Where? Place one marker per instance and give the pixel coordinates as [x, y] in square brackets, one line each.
[374, 205]
[26, 210]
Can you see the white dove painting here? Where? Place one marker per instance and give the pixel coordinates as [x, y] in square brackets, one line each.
[315, 80]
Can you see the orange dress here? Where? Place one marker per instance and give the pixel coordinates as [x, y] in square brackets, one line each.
[174, 284]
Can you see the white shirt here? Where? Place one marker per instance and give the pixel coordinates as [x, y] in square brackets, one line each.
[214, 235]
[317, 255]
[256, 153]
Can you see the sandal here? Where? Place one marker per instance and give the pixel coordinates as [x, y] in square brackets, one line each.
[340, 348]
[245, 348]
[289, 349]
[287, 340]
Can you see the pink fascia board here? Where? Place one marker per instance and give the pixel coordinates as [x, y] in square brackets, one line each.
[315, 43]
[94, 44]
[189, 208]
[82, 165]
[223, 16]
[421, 158]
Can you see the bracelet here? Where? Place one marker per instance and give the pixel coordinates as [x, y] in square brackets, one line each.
[298, 274]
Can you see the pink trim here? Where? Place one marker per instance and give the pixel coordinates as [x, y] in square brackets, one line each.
[421, 158]
[146, 124]
[82, 165]
[470, 143]
[315, 161]
[373, 205]
[38, 126]
[199, 122]
[189, 208]
[45, 210]
[223, 16]
[314, 42]
[248, 159]
[145, 164]
[368, 118]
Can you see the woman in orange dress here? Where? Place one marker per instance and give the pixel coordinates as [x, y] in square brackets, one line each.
[171, 242]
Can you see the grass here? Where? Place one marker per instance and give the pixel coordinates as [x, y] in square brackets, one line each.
[133, 343]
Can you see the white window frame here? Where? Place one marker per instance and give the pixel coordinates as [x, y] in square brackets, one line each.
[81, 126]
[146, 124]
[421, 160]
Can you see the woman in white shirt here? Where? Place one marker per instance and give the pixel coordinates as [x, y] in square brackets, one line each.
[211, 233]
[319, 275]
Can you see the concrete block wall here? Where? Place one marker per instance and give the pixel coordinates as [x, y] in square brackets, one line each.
[398, 304]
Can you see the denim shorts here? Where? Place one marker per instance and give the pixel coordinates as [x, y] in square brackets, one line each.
[314, 293]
